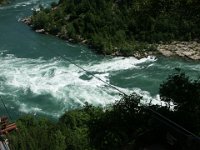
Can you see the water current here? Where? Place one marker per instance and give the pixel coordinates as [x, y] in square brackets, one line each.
[35, 79]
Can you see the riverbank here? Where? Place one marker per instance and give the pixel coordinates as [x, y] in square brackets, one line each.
[4, 2]
[104, 28]
[185, 49]
[139, 50]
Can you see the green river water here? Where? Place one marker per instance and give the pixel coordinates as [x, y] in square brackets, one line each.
[34, 79]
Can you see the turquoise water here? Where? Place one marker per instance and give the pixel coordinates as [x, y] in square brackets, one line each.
[35, 79]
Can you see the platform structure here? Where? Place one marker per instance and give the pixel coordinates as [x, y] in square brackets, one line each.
[5, 128]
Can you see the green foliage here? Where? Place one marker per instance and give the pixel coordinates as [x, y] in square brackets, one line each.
[115, 25]
[37, 133]
[74, 126]
[119, 125]
[70, 132]
[85, 128]
[41, 20]
[3, 2]
[184, 93]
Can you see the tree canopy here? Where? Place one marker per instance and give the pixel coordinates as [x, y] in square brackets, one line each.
[121, 26]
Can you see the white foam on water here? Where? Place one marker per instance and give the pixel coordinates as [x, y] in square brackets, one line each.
[24, 108]
[147, 98]
[23, 4]
[19, 4]
[120, 63]
[195, 67]
[62, 81]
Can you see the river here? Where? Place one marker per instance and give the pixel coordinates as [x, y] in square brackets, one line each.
[35, 79]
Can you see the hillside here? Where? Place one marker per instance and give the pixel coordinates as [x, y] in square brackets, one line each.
[121, 27]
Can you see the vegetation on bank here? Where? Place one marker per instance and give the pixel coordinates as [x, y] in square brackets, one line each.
[2, 2]
[121, 26]
[124, 125]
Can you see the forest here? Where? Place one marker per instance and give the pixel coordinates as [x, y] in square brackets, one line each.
[126, 124]
[121, 27]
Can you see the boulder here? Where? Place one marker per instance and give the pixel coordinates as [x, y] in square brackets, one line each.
[40, 31]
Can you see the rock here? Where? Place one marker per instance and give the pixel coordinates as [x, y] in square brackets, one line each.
[166, 53]
[84, 41]
[40, 31]
[195, 57]
[67, 17]
[189, 53]
[182, 49]
[70, 40]
[27, 20]
[54, 8]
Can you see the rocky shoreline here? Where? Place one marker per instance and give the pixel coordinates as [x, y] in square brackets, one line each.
[186, 49]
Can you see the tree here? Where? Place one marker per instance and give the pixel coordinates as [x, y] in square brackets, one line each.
[182, 91]
[119, 125]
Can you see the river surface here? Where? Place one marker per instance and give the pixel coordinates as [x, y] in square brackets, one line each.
[35, 79]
